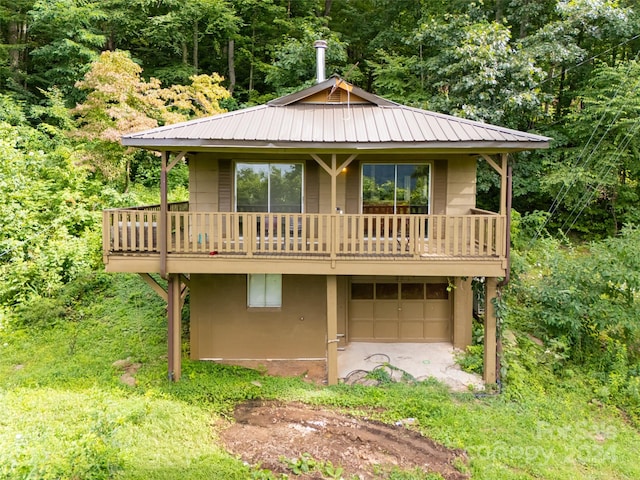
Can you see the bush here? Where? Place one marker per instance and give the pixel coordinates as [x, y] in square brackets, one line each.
[584, 304]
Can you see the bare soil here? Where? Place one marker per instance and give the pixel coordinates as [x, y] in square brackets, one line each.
[266, 432]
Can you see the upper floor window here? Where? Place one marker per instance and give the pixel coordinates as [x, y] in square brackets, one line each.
[269, 187]
[400, 188]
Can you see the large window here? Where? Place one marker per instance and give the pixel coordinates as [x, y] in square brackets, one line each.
[269, 187]
[264, 290]
[395, 188]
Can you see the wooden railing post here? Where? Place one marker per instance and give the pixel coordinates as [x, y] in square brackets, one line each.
[333, 236]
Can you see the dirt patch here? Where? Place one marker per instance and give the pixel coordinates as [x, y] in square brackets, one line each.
[130, 369]
[265, 432]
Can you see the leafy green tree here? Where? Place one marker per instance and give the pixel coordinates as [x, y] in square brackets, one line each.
[584, 34]
[473, 70]
[120, 101]
[67, 38]
[14, 40]
[294, 64]
[595, 177]
[48, 216]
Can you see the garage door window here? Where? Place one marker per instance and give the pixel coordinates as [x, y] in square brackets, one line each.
[403, 291]
[413, 291]
[386, 291]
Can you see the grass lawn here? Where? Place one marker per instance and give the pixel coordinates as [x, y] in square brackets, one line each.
[66, 415]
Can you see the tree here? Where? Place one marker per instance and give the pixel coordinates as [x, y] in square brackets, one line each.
[47, 213]
[598, 173]
[67, 38]
[120, 101]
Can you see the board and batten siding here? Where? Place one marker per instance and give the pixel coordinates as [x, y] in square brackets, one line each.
[453, 186]
[203, 184]
[461, 186]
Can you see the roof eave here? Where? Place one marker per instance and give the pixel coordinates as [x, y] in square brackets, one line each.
[297, 147]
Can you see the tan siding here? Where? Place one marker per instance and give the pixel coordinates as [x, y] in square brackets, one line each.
[352, 201]
[338, 96]
[324, 185]
[439, 187]
[312, 187]
[341, 188]
[225, 186]
[461, 186]
[203, 183]
[225, 328]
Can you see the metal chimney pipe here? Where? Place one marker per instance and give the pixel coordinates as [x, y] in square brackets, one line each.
[320, 46]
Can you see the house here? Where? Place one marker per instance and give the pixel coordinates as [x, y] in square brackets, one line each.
[324, 217]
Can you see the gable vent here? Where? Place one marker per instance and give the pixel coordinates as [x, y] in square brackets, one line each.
[335, 96]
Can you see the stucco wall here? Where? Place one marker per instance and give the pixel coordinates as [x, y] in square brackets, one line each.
[223, 327]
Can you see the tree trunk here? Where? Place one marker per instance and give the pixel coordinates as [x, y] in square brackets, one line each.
[17, 40]
[232, 65]
[327, 7]
[499, 11]
[253, 46]
[560, 103]
[185, 53]
[196, 34]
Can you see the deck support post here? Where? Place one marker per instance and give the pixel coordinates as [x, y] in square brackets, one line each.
[490, 331]
[332, 330]
[162, 221]
[174, 327]
[462, 312]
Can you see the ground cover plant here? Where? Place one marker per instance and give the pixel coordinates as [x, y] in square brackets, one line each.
[66, 414]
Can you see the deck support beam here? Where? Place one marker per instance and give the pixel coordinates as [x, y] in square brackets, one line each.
[174, 328]
[332, 330]
[490, 331]
[155, 285]
[162, 221]
[165, 168]
[501, 168]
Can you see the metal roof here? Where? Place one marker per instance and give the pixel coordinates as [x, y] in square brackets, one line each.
[363, 122]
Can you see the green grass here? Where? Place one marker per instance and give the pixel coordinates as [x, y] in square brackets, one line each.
[66, 415]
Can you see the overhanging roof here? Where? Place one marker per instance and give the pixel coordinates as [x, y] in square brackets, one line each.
[334, 116]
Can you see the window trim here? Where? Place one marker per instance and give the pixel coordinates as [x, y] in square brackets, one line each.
[264, 306]
[268, 164]
[429, 163]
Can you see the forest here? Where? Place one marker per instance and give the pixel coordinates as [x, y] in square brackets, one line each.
[75, 75]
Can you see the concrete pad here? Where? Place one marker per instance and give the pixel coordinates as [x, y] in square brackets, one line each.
[420, 360]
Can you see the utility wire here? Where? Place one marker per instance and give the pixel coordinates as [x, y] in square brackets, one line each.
[561, 195]
[589, 195]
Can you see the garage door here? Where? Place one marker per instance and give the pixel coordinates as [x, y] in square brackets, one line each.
[409, 311]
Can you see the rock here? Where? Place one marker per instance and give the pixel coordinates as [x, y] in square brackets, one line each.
[122, 364]
[128, 379]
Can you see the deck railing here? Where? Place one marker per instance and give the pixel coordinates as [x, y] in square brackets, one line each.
[213, 233]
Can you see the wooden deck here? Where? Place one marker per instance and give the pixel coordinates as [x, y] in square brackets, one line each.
[285, 237]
